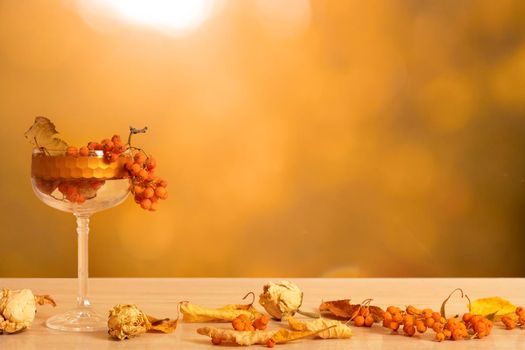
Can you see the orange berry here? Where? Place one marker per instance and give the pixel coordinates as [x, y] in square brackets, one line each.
[436, 316]
[480, 327]
[411, 310]
[129, 164]
[440, 336]
[242, 317]
[475, 319]
[154, 206]
[92, 145]
[72, 151]
[149, 192]
[80, 199]
[143, 174]
[116, 139]
[393, 325]
[135, 169]
[359, 321]
[161, 193]
[393, 309]
[520, 310]
[150, 163]
[369, 320]
[387, 316]
[216, 340]
[397, 317]
[447, 333]
[508, 322]
[408, 319]
[457, 334]
[97, 184]
[270, 343]
[107, 145]
[429, 322]
[138, 189]
[427, 313]
[261, 323]
[420, 326]
[83, 151]
[409, 330]
[145, 203]
[140, 158]
[238, 324]
[437, 327]
[466, 317]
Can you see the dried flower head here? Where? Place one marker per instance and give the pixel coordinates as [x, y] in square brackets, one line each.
[127, 321]
[281, 299]
[18, 309]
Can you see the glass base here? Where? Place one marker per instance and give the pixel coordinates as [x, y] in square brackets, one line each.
[78, 320]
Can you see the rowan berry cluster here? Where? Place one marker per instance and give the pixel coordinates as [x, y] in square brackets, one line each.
[363, 317]
[145, 186]
[414, 320]
[111, 148]
[244, 323]
[78, 191]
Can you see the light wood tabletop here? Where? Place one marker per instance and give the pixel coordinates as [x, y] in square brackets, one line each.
[160, 296]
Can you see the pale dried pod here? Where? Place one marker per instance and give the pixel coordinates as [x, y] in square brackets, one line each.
[18, 309]
[281, 299]
[127, 321]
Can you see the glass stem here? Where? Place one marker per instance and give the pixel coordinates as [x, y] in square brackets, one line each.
[83, 264]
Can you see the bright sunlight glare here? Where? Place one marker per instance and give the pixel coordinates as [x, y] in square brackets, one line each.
[176, 15]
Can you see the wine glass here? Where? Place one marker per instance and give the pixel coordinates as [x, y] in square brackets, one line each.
[82, 185]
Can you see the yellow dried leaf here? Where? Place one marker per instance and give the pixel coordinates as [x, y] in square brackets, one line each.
[194, 313]
[42, 134]
[333, 328]
[493, 305]
[280, 336]
[237, 337]
[284, 335]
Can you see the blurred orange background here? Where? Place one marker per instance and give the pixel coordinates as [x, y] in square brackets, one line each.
[299, 138]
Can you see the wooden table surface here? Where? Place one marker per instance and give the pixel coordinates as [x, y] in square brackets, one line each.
[160, 296]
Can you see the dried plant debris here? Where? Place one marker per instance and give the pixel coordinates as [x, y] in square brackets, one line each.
[334, 329]
[346, 310]
[194, 313]
[42, 135]
[127, 321]
[281, 299]
[18, 309]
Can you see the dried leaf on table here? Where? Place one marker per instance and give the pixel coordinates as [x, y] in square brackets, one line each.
[45, 299]
[194, 313]
[280, 336]
[334, 328]
[42, 134]
[18, 309]
[496, 306]
[237, 337]
[344, 309]
[164, 325]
